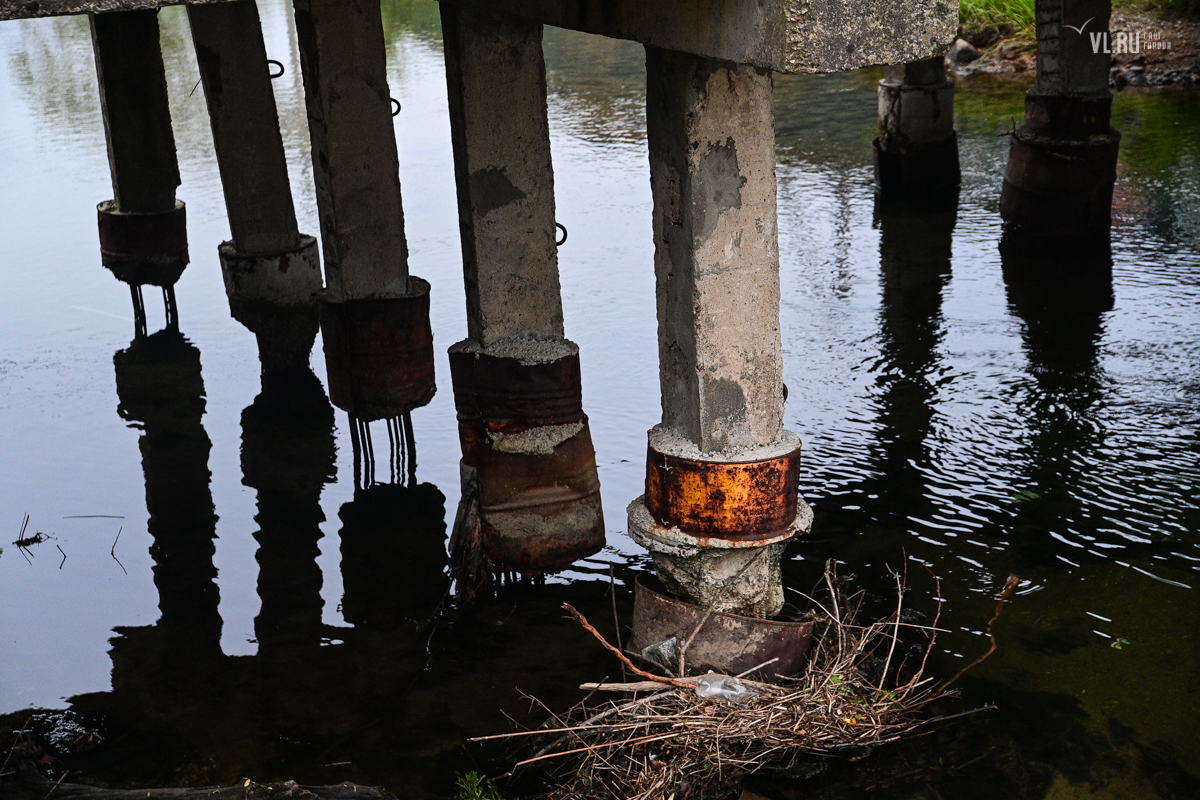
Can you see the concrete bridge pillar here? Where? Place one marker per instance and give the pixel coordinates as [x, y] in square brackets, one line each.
[1062, 162]
[272, 272]
[916, 152]
[143, 229]
[374, 315]
[721, 481]
[527, 448]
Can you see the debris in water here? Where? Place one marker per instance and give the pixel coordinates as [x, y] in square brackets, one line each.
[681, 737]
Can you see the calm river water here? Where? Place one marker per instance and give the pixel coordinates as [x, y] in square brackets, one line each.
[986, 417]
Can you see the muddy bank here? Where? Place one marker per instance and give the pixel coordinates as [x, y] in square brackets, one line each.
[1161, 51]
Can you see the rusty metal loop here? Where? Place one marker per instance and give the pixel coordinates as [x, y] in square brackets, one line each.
[396, 105]
[279, 64]
[563, 228]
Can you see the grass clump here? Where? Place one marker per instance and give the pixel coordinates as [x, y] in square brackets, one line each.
[474, 786]
[1010, 17]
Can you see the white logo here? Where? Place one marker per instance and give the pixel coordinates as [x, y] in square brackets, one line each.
[1079, 30]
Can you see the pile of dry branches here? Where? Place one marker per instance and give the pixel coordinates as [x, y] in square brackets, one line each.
[672, 742]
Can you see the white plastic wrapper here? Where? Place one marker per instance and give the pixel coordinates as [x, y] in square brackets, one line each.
[723, 687]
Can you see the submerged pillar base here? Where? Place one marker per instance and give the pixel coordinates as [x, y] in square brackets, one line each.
[1062, 164]
[1059, 189]
[916, 152]
[379, 352]
[274, 296]
[917, 169]
[143, 248]
[527, 451]
[705, 570]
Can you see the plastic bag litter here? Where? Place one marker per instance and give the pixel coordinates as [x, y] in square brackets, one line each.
[723, 687]
[664, 653]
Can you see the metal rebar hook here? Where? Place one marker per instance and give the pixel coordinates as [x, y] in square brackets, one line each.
[395, 105]
[563, 228]
[279, 64]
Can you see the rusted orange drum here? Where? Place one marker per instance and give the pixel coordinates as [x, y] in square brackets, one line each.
[737, 501]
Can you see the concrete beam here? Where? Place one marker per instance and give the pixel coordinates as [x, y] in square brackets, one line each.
[779, 35]
[137, 113]
[710, 129]
[29, 9]
[504, 173]
[356, 168]
[245, 126]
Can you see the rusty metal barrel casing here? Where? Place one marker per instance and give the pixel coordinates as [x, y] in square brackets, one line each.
[143, 248]
[524, 433]
[1062, 164]
[739, 501]
[726, 643]
[379, 353]
[1059, 189]
[707, 522]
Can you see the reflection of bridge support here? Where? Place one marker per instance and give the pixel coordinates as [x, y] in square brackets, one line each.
[374, 316]
[288, 455]
[721, 486]
[526, 443]
[272, 271]
[916, 151]
[159, 385]
[143, 229]
[1062, 162]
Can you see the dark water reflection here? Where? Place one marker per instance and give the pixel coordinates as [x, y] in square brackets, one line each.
[984, 413]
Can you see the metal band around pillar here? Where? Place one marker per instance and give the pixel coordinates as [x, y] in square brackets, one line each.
[749, 501]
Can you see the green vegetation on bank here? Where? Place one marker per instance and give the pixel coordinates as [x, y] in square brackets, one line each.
[1017, 16]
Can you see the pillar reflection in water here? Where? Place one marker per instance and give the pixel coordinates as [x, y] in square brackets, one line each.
[393, 533]
[915, 245]
[288, 456]
[1062, 303]
[161, 391]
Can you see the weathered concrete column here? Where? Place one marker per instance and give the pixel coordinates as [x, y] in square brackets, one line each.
[1062, 162]
[143, 229]
[916, 152]
[721, 498]
[272, 272]
[374, 315]
[527, 448]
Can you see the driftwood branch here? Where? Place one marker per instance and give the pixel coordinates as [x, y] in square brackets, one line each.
[582, 620]
[1009, 587]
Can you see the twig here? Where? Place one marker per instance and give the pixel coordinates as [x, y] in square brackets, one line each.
[60, 564]
[56, 783]
[1009, 586]
[635, 686]
[651, 737]
[14, 744]
[582, 620]
[612, 593]
[113, 551]
[896, 633]
[756, 669]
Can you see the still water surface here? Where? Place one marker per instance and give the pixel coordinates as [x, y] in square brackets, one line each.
[256, 618]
